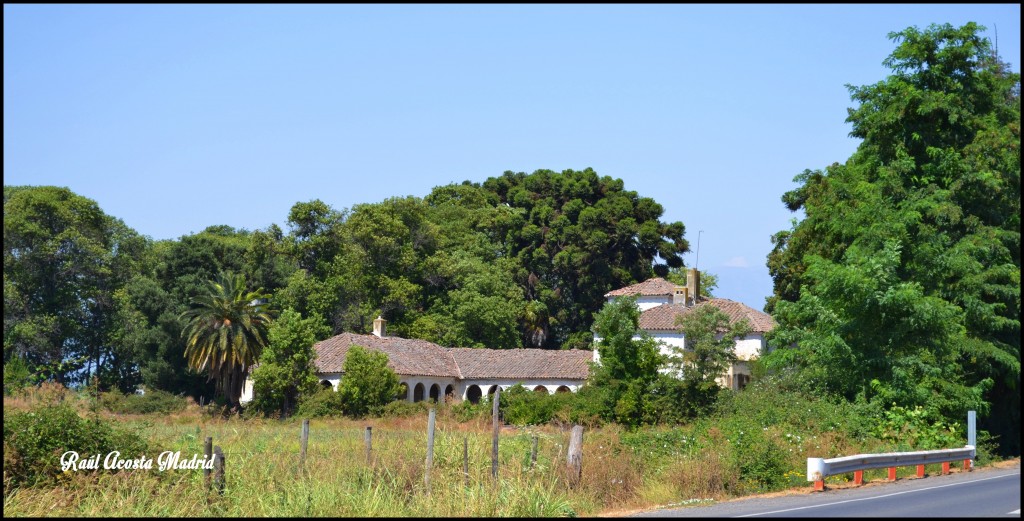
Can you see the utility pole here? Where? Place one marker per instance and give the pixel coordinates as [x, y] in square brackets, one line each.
[696, 264]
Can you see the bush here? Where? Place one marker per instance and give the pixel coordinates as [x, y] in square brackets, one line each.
[518, 406]
[16, 376]
[761, 464]
[590, 406]
[153, 402]
[324, 402]
[34, 441]
[466, 410]
[401, 409]
[367, 382]
[906, 429]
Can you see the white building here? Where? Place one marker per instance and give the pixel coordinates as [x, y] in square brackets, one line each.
[661, 303]
[428, 371]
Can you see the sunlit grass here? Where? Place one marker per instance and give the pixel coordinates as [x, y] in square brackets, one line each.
[622, 471]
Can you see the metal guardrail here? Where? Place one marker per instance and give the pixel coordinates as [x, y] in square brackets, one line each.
[819, 468]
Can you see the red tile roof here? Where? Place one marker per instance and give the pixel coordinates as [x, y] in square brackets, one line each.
[663, 317]
[648, 288]
[405, 355]
[413, 357]
[522, 363]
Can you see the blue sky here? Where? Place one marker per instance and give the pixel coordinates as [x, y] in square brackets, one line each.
[177, 117]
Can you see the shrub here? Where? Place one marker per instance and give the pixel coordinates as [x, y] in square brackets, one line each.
[466, 410]
[590, 406]
[34, 441]
[401, 409]
[367, 381]
[917, 429]
[761, 463]
[519, 406]
[286, 369]
[324, 402]
[16, 376]
[153, 402]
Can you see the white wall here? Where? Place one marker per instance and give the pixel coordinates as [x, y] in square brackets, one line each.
[552, 384]
[246, 390]
[750, 347]
[427, 382]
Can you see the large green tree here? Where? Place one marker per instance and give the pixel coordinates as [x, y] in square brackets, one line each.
[148, 322]
[628, 364]
[710, 350]
[226, 332]
[519, 260]
[64, 260]
[902, 281]
[286, 368]
[577, 236]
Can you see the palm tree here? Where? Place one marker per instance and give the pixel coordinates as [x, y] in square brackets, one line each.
[226, 332]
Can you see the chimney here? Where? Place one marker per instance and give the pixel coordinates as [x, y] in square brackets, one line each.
[380, 326]
[679, 296]
[693, 284]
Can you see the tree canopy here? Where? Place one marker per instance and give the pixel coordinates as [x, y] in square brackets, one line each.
[64, 260]
[902, 281]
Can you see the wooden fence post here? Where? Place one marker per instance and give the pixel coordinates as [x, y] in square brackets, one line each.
[497, 429]
[533, 453]
[574, 458]
[208, 450]
[430, 449]
[368, 438]
[218, 469]
[305, 442]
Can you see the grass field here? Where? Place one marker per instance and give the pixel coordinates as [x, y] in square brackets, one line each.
[622, 470]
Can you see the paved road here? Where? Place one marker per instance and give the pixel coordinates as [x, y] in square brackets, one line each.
[985, 492]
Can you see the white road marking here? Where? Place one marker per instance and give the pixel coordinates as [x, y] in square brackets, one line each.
[1014, 513]
[879, 497]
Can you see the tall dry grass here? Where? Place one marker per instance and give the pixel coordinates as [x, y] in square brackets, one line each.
[621, 470]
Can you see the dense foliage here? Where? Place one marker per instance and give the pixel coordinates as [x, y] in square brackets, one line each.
[521, 260]
[286, 367]
[629, 363]
[367, 383]
[901, 284]
[63, 261]
[709, 353]
[34, 441]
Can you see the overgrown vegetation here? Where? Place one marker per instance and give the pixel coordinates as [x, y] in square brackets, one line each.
[35, 439]
[901, 285]
[287, 370]
[152, 402]
[755, 440]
